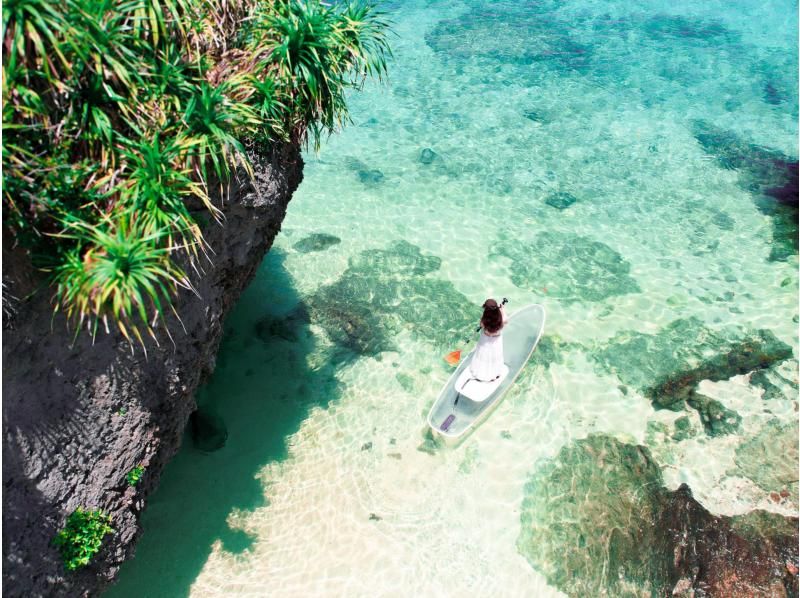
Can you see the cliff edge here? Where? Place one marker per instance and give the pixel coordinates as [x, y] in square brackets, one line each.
[78, 417]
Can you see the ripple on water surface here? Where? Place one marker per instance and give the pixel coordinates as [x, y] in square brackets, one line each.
[630, 167]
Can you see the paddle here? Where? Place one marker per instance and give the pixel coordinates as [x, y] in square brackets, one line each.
[454, 357]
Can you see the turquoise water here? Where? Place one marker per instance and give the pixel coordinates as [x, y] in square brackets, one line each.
[608, 161]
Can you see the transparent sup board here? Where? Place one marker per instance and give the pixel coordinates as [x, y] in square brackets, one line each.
[453, 414]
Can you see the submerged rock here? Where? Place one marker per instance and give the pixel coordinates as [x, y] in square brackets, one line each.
[717, 419]
[399, 259]
[550, 350]
[722, 220]
[386, 290]
[316, 242]
[757, 350]
[286, 327]
[667, 366]
[683, 429]
[771, 176]
[597, 520]
[773, 94]
[209, 432]
[535, 116]
[770, 458]
[560, 200]
[349, 322]
[370, 177]
[655, 433]
[777, 382]
[406, 381]
[430, 443]
[427, 156]
[518, 34]
[571, 267]
[703, 31]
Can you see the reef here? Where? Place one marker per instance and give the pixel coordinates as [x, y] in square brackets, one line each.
[568, 267]
[717, 419]
[683, 429]
[701, 31]
[667, 366]
[597, 520]
[520, 34]
[771, 176]
[770, 458]
[384, 291]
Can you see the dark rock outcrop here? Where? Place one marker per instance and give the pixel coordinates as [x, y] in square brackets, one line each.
[78, 417]
[768, 174]
[597, 520]
[667, 366]
[754, 352]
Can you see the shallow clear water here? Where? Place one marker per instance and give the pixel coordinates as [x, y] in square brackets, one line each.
[603, 159]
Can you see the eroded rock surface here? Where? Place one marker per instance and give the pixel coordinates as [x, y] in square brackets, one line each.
[597, 520]
[77, 419]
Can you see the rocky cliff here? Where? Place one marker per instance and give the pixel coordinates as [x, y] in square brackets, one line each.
[78, 417]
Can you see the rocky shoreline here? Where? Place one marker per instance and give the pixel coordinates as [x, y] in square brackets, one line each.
[78, 417]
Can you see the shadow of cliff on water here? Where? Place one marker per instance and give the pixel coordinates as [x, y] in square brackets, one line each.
[264, 386]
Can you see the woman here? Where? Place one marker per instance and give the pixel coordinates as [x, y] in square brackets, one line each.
[487, 361]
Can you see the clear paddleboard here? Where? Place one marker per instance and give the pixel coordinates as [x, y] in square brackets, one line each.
[454, 412]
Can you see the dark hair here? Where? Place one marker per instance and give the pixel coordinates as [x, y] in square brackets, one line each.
[492, 319]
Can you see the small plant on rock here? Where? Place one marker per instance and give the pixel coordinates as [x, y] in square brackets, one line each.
[135, 474]
[81, 537]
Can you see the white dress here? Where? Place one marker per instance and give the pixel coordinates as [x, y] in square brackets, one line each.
[487, 361]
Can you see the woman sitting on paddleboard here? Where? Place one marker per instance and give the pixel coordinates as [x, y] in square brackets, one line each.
[487, 361]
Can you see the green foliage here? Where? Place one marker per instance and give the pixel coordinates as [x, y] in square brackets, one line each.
[318, 53]
[81, 537]
[134, 475]
[116, 113]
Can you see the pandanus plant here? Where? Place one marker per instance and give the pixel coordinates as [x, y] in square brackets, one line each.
[116, 113]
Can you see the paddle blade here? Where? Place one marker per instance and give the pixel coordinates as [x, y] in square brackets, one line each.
[454, 357]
